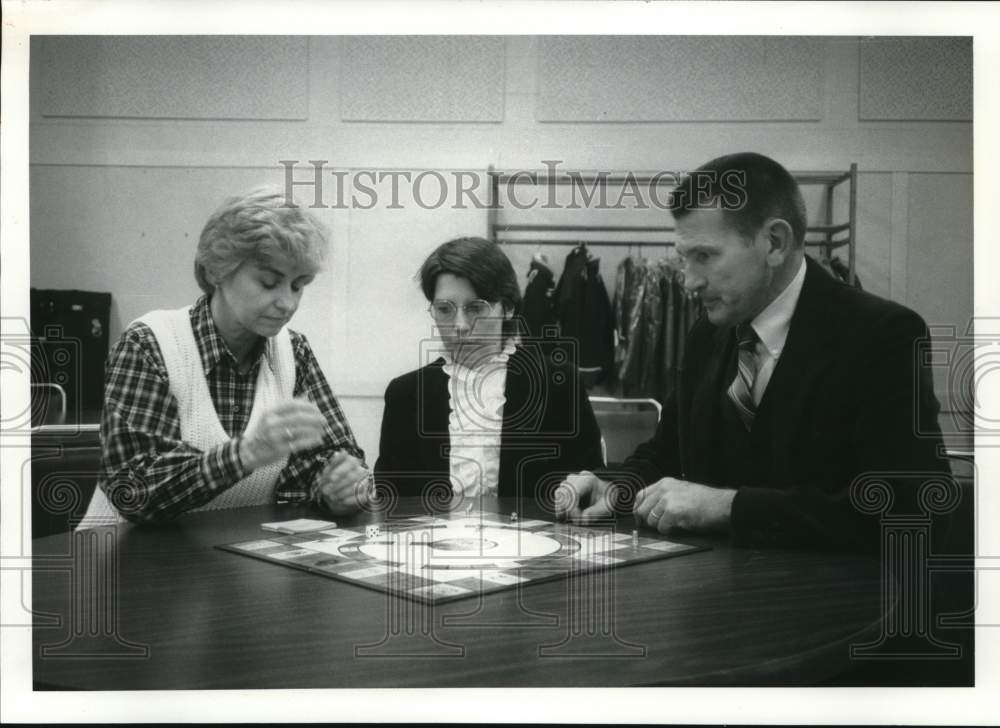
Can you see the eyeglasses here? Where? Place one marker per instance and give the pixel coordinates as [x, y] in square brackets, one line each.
[443, 311]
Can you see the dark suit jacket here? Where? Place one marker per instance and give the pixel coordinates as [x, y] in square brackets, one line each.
[548, 429]
[847, 398]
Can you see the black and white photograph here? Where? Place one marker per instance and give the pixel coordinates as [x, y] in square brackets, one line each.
[465, 362]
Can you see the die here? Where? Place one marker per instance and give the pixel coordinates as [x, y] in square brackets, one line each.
[372, 531]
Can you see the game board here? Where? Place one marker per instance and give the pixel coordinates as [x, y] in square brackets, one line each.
[439, 559]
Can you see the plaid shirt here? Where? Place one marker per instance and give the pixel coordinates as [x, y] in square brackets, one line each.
[141, 430]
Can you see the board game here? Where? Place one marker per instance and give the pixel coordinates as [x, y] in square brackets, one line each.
[436, 559]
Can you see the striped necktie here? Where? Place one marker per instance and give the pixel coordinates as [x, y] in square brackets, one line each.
[741, 390]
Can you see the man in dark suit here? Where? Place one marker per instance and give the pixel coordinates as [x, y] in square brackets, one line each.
[795, 386]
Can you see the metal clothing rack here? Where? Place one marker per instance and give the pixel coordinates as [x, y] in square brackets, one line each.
[828, 235]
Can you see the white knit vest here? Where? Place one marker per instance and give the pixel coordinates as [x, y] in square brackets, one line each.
[200, 425]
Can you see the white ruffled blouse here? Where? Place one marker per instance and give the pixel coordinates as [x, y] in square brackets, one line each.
[476, 400]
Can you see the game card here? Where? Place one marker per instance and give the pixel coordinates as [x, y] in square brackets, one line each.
[292, 555]
[437, 591]
[258, 545]
[327, 547]
[501, 577]
[362, 574]
[298, 525]
[666, 546]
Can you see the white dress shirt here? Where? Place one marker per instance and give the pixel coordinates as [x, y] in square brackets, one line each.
[771, 326]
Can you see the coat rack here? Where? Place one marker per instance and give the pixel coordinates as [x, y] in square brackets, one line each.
[828, 235]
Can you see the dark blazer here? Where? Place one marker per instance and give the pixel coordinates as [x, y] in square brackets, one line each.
[847, 398]
[548, 430]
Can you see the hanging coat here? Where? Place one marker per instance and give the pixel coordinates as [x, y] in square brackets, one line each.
[632, 281]
[680, 311]
[537, 305]
[585, 315]
[651, 369]
[653, 314]
[621, 304]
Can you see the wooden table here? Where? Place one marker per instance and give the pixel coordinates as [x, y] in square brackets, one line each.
[187, 615]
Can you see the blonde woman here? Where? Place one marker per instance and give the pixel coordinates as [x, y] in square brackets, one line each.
[220, 404]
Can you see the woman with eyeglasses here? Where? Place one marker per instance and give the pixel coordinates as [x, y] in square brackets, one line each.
[497, 415]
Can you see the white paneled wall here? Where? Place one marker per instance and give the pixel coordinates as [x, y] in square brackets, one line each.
[422, 78]
[916, 79]
[677, 78]
[174, 77]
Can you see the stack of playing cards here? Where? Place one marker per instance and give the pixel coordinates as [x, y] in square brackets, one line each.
[298, 525]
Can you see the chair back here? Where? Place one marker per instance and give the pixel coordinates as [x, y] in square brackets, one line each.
[48, 404]
[625, 424]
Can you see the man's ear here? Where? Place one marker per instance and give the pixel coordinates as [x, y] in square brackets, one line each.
[780, 240]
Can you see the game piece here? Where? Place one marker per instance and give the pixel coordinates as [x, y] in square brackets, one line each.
[513, 517]
[635, 538]
[372, 531]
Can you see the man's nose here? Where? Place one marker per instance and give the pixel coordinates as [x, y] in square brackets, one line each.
[692, 282]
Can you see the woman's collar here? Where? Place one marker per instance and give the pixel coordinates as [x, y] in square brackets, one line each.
[509, 347]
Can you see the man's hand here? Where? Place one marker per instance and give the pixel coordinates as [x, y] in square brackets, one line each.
[670, 503]
[582, 497]
[344, 486]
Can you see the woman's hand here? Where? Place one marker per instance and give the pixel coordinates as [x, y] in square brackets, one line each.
[289, 427]
[345, 484]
